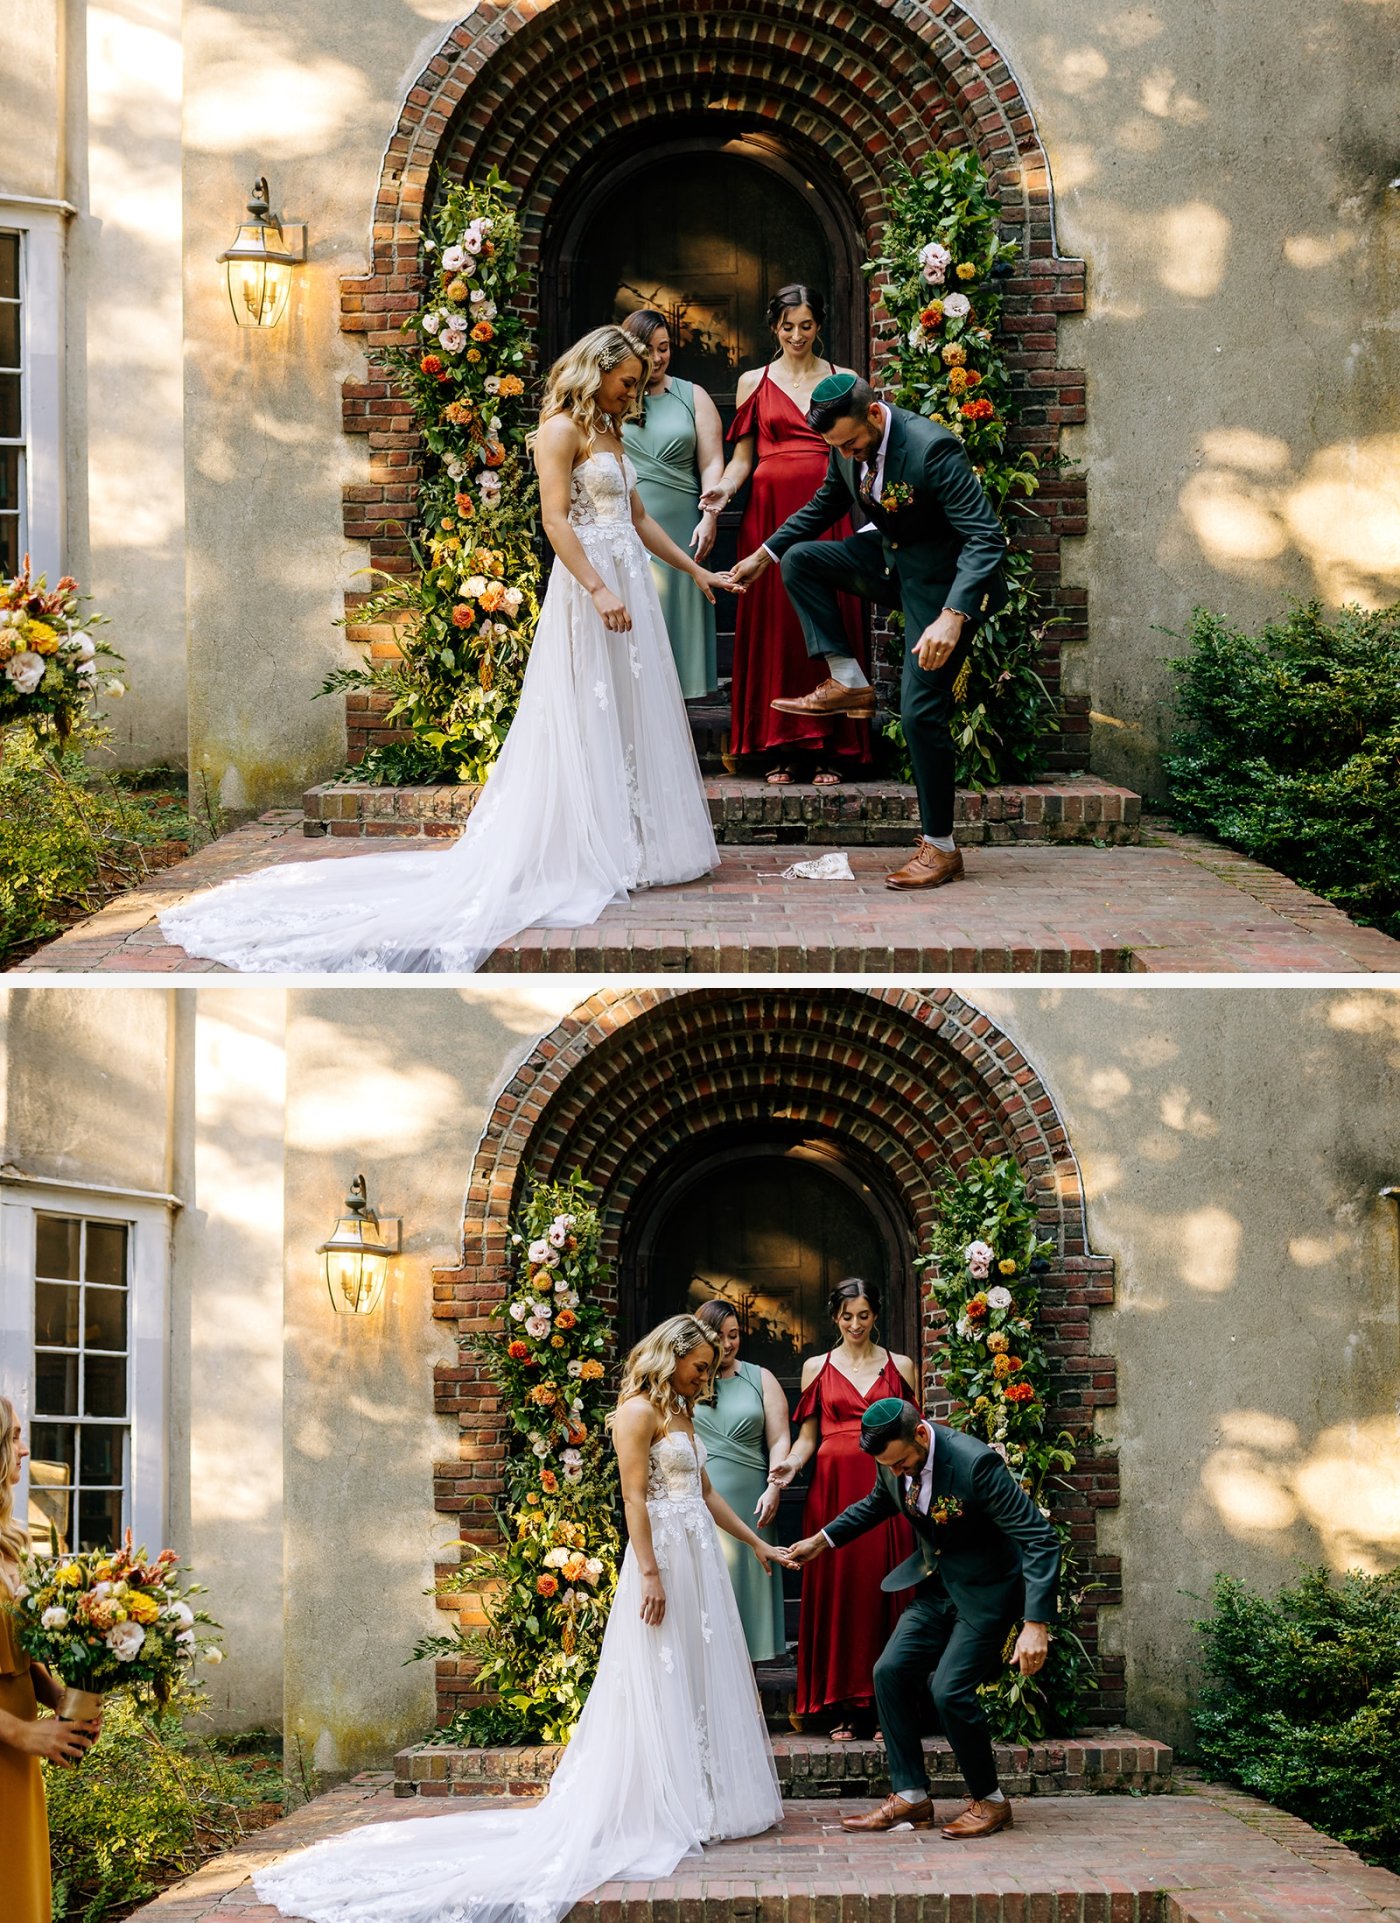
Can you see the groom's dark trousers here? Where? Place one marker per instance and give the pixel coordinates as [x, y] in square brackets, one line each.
[991, 1562]
[814, 573]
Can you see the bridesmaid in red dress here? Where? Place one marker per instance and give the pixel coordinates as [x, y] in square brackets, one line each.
[846, 1618]
[788, 461]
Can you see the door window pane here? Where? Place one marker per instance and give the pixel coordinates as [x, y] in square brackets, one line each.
[106, 1253]
[57, 1246]
[9, 266]
[56, 1385]
[99, 1519]
[54, 1446]
[9, 334]
[104, 1386]
[105, 1318]
[9, 407]
[103, 1456]
[57, 1315]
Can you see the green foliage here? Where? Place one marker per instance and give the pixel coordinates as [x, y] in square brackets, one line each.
[1302, 1702]
[950, 367]
[466, 612]
[1289, 749]
[147, 1804]
[985, 1258]
[547, 1587]
[71, 837]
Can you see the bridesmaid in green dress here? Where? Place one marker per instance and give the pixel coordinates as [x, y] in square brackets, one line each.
[677, 449]
[745, 1432]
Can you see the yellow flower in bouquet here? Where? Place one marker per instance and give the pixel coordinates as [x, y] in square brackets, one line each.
[140, 1607]
[41, 637]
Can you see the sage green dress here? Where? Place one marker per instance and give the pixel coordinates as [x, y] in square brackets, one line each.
[664, 449]
[733, 1430]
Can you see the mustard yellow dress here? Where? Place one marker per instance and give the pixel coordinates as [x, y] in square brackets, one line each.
[24, 1823]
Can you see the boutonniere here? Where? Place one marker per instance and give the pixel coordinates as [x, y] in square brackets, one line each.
[946, 1509]
[897, 495]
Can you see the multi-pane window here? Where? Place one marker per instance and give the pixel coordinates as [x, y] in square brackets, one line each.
[13, 532]
[80, 1446]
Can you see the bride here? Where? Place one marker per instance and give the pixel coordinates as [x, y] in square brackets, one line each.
[597, 790]
[670, 1751]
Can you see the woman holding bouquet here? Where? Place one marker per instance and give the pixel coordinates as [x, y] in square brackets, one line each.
[24, 1739]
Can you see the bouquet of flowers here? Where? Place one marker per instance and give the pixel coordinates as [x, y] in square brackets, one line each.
[108, 1619]
[50, 665]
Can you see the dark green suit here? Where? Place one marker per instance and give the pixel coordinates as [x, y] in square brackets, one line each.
[941, 547]
[977, 1575]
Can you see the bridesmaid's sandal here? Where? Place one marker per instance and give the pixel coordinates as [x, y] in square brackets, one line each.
[781, 777]
[827, 778]
[842, 1733]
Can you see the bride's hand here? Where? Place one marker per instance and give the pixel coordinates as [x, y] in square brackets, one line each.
[768, 1555]
[653, 1600]
[611, 611]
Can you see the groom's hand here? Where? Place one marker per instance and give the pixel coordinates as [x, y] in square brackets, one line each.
[1032, 1647]
[750, 567]
[938, 640]
[809, 1548]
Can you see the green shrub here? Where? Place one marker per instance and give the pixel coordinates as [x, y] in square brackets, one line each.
[147, 1804]
[70, 837]
[1302, 1704]
[1289, 749]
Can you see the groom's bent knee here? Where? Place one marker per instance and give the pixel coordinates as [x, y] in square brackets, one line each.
[797, 563]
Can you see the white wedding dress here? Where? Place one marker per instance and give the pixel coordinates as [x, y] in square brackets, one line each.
[597, 791]
[670, 1753]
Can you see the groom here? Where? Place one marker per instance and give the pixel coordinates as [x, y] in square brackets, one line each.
[986, 1560]
[930, 544]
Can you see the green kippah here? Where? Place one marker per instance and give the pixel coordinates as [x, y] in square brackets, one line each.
[881, 1414]
[832, 389]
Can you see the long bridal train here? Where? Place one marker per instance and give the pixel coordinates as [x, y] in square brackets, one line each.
[597, 792]
[670, 1753]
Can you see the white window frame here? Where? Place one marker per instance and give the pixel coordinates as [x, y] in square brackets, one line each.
[40, 225]
[149, 1220]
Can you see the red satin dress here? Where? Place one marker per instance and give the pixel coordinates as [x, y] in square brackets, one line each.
[770, 654]
[846, 1617]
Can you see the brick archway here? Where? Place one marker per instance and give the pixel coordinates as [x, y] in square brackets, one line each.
[912, 1082]
[536, 89]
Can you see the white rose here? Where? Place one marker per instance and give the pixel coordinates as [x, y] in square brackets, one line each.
[114, 690]
[472, 588]
[78, 646]
[25, 671]
[573, 1474]
[453, 258]
[512, 600]
[561, 1285]
[125, 1640]
[956, 305]
[490, 310]
[541, 1449]
[556, 1558]
[54, 1618]
[537, 1250]
[184, 1642]
[544, 1311]
[575, 1369]
[595, 1568]
[558, 1235]
[213, 1657]
[998, 1298]
[478, 294]
[452, 340]
[102, 1590]
[431, 323]
[518, 1311]
[472, 242]
[935, 261]
[484, 224]
[178, 1612]
[572, 1457]
[492, 383]
[537, 1326]
[571, 1300]
[457, 469]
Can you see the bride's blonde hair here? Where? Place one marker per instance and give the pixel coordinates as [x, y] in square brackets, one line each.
[571, 385]
[14, 1543]
[649, 1368]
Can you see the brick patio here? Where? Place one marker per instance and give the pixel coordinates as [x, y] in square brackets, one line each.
[1209, 1855]
[1175, 904]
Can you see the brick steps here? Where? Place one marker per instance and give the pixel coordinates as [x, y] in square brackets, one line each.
[1072, 808]
[814, 1769]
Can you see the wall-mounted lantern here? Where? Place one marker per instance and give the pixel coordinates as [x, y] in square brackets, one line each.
[356, 1257]
[258, 266]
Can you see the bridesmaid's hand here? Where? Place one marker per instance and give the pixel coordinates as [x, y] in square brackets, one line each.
[767, 1506]
[653, 1600]
[714, 500]
[58, 1742]
[703, 538]
[611, 611]
[783, 1472]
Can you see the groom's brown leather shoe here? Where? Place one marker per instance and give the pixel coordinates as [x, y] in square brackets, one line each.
[829, 698]
[980, 1819]
[891, 1813]
[927, 867]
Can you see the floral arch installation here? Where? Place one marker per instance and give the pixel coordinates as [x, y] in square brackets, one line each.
[538, 88]
[914, 1082]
